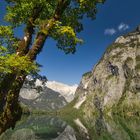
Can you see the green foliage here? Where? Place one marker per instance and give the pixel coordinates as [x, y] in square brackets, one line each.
[3, 50]
[87, 74]
[67, 39]
[19, 12]
[41, 11]
[5, 31]
[129, 62]
[7, 38]
[117, 55]
[109, 77]
[129, 59]
[11, 62]
[88, 7]
[137, 67]
[138, 58]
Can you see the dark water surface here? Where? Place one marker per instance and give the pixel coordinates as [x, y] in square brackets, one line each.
[53, 128]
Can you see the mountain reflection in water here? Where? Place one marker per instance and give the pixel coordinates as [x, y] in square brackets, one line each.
[53, 128]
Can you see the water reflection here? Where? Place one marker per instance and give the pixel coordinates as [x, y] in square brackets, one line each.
[36, 128]
[53, 128]
[115, 128]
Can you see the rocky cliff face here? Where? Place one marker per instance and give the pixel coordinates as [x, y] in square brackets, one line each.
[40, 94]
[114, 83]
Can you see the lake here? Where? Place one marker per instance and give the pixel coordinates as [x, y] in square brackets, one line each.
[43, 127]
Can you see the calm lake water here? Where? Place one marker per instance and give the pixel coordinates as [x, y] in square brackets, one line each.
[53, 128]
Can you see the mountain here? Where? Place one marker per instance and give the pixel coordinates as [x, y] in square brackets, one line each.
[66, 91]
[40, 94]
[113, 85]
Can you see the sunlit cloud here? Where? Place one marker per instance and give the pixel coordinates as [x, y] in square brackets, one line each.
[123, 27]
[120, 28]
[110, 31]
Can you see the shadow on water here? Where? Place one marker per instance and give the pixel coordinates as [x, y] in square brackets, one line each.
[54, 128]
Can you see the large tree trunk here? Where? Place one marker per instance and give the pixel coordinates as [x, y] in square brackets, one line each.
[4, 88]
[12, 111]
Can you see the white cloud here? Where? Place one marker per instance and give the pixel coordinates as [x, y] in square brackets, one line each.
[123, 27]
[110, 31]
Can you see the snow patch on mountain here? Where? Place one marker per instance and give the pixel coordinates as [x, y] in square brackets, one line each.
[66, 91]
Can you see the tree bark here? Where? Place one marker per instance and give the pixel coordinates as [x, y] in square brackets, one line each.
[40, 40]
[4, 88]
[12, 110]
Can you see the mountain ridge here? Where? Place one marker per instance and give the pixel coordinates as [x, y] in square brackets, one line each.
[41, 94]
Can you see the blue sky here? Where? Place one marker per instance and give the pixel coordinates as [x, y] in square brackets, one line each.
[114, 18]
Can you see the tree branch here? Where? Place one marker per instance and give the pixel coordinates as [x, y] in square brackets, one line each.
[44, 33]
[25, 43]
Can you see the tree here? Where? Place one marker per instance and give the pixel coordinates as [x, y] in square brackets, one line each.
[58, 19]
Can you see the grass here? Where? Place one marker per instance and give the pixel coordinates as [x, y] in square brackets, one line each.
[138, 58]
[137, 67]
[129, 59]
[118, 55]
[125, 107]
[132, 45]
[109, 77]
[69, 111]
[87, 74]
[131, 108]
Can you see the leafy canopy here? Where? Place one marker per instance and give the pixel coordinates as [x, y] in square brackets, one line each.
[9, 61]
[13, 63]
[40, 12]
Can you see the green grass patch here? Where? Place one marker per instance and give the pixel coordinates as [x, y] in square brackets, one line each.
[138, 58]
[87, 74]
[137, 67]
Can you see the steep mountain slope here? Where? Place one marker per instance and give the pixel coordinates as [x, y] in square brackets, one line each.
[114, 83]
[45, 95]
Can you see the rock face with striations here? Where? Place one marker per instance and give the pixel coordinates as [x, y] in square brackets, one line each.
[114, 83]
